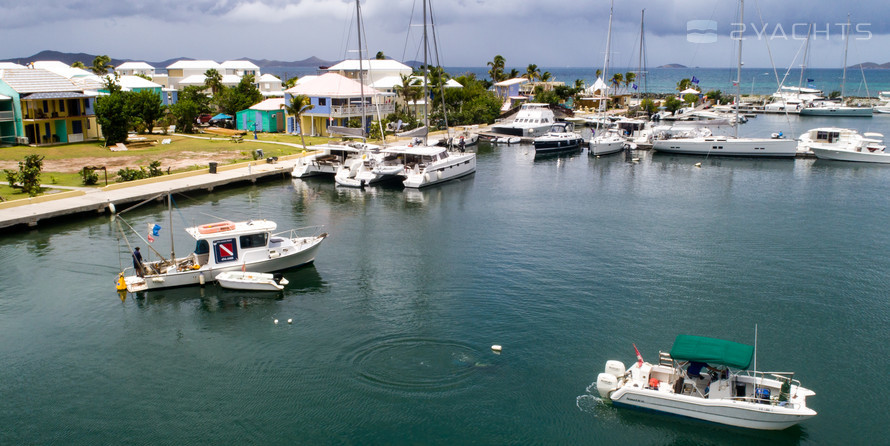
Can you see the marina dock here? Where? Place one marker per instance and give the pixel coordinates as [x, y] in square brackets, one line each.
[29, 212]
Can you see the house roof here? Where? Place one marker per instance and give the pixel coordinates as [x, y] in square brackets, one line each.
[509, 82]
[131, 82]
[135, 66]
[239, 65]
[331, 85]
[26, 81]
[393, 81]
[195, 79]
[231, 79]
[62, 69]
[3, 97]
[269, 105]
[57, 95]
[10, 65]
[268, 78]
[371, 64]
[194, 65]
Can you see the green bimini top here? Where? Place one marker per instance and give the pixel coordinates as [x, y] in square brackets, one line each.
[712, 351]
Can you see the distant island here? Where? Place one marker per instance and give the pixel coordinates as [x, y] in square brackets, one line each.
[673, 65]
[87, 59]
[871, 66]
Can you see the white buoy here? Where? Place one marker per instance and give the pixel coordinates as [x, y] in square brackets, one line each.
[276, 321]
[111, 208]
[290, 321]
[496, 348]
[697, 164]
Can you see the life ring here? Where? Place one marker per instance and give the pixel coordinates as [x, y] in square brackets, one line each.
[212, 228]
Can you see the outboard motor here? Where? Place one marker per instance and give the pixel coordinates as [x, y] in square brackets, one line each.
[607, 382]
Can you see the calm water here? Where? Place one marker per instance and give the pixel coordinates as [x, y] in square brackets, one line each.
[563, 261]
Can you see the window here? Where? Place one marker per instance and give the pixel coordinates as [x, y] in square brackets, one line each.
[322, 101]
[253, 240]
[62, 105]
[45, 107]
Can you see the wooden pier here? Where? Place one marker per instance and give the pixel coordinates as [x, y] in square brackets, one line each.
[28, 212]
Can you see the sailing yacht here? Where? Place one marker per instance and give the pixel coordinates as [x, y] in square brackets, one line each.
[726, 145]
[604, 140]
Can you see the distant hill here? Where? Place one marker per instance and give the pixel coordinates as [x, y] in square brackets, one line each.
[673, 65]
[87, 59]
[871, 66]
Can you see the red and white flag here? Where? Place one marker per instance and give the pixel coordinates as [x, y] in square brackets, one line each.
[150, 237]
[639, 356]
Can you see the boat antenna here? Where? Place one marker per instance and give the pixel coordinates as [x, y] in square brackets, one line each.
[170, 214]
[755, 360]
[803, 66]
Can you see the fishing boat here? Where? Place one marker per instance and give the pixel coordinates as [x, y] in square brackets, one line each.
[225, 246]
[532, 119]
[706, 379]
[839, 144]
[561, 138]
[250, 281]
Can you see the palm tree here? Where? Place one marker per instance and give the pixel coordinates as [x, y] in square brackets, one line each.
[546, 77]
[497, 68]
[629, 78]
[291, 82]
[79, 64]
[617, 79]
[101, 65]
[684, 84]
[380, 56]
[299, 104]
[532, 72]
[213, 81]
[599, 73]
[408, 90]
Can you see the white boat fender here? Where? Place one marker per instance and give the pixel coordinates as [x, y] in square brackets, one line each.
[290, 321]
[111, 208]
[201, 279]
[698, 165]
[275, 321]
[496, 348]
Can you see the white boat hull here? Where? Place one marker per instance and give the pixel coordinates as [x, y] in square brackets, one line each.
[730, 412]
[847, 112]
[457, 166]
[754, 147]
[877, 157]
[596, 148]
[249, 281]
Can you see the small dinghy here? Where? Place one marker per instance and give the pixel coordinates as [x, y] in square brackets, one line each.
[238, 280]
[508, 140]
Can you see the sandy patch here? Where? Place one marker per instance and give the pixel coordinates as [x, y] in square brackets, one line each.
[181, 160]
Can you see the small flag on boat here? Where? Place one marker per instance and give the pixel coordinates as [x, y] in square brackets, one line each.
[150, 231]
[635, 86]
[243, 268]
[155, 230]
[694, 80]
[811, 80]
[639, 356]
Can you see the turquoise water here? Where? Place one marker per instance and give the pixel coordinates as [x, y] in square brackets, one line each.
[761, 81]
[564, 261]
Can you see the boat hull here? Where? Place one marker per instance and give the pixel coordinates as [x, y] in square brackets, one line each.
[776, 148]
[457, 166]
[604, 148]
[849, 155]
[558, 145]
[729, 412]
[248, 281]
[845, 112]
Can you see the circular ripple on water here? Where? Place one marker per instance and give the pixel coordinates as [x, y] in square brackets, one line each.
[415, 365]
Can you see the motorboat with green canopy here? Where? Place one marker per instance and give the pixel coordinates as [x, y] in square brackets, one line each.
[708, 379]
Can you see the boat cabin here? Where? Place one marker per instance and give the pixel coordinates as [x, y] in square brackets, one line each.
[226, 242]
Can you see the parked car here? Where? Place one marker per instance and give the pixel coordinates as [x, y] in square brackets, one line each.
[204, 118]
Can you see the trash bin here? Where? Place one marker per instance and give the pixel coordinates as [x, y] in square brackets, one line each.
[213, 167]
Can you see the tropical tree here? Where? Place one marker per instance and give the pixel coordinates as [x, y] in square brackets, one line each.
[147, 107]
[101, 65]
[513, 74]
[380, 56]
[672, 104]
[496, 72]
[79, 64]
[213, 81]
[629, 79]
[192, 102]
[599, 73]
[299, 104]
[546, 76]
[648, 105]
[617, 79]
[532, 72]
[579, 84]
[684, 84]
[240, 97]
[290, 83]
[715, 95]
[408, 90]
[113, 113]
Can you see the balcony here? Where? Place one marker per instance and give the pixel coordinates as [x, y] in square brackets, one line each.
[348, 111]
[7, 116]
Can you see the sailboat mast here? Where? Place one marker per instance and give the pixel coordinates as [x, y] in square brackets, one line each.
[846, 45]
[738, 78]
[170, 214]
[361, 71]
[640, 62]
[803, 66]
[608, 45]
[426, 116]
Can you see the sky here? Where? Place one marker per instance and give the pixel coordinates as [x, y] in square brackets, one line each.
[551, 33]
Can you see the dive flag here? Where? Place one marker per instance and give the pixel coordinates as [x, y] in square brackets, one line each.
[150, 231]
[639, 356]
[155, 230]
[694, 80]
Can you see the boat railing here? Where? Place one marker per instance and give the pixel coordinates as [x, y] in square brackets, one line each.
[306, 231]
[773, 401]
